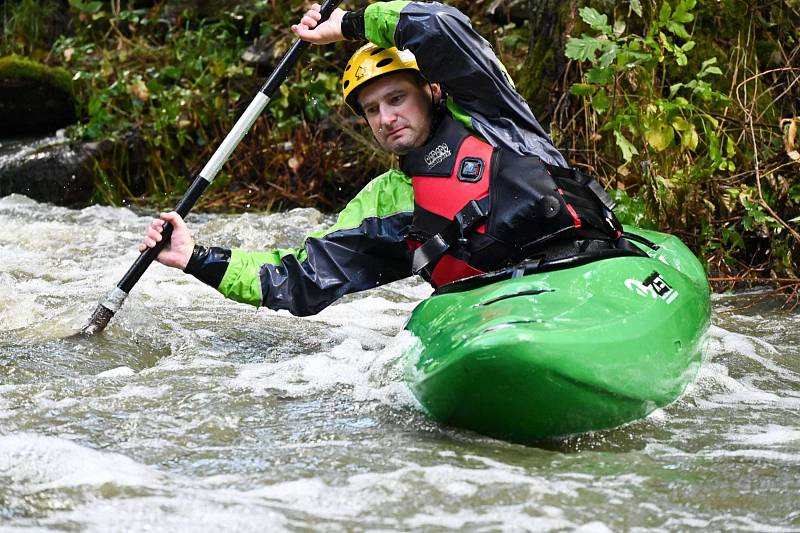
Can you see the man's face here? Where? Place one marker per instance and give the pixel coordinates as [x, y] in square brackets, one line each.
[398, 110]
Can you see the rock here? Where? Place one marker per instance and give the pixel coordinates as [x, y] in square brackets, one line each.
[34, 99]
[262, 55]
[50, 170]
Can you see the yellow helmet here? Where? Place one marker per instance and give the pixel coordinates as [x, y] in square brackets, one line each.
[369, 62]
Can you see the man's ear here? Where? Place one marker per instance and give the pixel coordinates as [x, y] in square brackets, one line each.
[436, 92]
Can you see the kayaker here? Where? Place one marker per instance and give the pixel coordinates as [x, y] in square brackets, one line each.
[434, 93]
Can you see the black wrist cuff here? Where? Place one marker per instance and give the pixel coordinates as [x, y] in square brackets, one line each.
[208, 264]
[353, 25]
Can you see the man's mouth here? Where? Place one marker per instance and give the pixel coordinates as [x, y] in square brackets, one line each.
[395, 132]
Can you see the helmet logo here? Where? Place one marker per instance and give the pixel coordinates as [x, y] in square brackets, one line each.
[360, 72]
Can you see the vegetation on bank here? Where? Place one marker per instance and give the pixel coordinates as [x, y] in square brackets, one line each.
[686, 110]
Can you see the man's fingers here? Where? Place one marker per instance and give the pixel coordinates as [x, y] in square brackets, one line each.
[310, 20]
[173, 218]
[153, 235]
[303, 32]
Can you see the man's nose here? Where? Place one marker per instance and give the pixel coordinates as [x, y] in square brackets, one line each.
[388, 116]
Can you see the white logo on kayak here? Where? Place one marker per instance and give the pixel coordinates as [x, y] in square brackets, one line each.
[654, 286]
[437, 155]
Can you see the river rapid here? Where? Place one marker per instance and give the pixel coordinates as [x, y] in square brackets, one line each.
[195, 413]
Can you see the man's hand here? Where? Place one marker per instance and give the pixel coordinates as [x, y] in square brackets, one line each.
[329, 31]
[179, 249]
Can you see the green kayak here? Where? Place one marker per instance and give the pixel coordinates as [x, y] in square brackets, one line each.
[562, 348]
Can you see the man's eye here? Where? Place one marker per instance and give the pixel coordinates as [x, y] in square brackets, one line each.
[398, 99]
[371, 110]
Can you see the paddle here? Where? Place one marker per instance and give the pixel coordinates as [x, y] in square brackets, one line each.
[113, 301]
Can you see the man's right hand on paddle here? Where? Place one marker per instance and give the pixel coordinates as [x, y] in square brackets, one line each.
[329, 31]
[178, 250]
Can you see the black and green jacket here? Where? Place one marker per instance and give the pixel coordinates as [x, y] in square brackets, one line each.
[366, 247]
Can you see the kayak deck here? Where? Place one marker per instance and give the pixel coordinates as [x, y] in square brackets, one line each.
[566, 351]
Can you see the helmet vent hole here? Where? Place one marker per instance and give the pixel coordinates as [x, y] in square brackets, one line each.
[346, 83]
[348, 67]
[377, 51]
[383, 62]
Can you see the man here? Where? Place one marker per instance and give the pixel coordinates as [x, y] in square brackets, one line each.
[481, 185]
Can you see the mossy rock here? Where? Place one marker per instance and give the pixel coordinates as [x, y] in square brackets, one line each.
[34, 99]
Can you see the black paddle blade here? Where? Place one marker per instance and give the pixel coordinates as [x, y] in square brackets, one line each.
[100, 319]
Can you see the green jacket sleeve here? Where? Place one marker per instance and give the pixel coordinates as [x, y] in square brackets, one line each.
[365, 247]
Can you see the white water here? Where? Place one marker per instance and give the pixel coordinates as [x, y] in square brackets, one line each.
[193, 413]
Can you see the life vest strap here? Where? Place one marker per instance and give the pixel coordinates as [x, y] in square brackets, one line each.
[583, 179]
[473, 214]
[612, 225]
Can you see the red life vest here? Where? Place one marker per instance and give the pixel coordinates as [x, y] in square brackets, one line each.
[478, 208]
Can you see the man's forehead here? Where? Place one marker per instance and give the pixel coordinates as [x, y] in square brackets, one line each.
[375, 90]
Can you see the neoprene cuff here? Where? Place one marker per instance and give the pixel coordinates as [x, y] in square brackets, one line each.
[353, 25]
[208, 264]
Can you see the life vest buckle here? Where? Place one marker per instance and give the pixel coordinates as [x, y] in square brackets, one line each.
[429, 252]
[612, 223]
[470, 216]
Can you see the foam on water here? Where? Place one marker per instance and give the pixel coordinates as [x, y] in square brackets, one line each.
[199, 513]
[36, 463]
[770, 435]
[372, 374]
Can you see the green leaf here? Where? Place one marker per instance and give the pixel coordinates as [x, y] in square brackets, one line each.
[664, 13]
[599, 76]
[690, 139]
[688, 45]
[678, 29]
[630, 59]
[627, 148]
[701, 89]
[608, 56]
[665, 41]
[688, 132]
[730, 147]
[681, 124]
[583, 48]
[600, 101]
[713, 148]
[636, 7]
[582, 89]
[673, 89]
[708, 62]
[659, 135]
[86, 7]
[170, 72]
[594, 19]
[619, 27]
[708, 68]
[682, 11]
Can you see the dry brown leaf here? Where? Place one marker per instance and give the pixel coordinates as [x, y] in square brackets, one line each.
[790, 137]
[140, 91]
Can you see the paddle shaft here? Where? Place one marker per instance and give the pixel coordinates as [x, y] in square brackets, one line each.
[114, 300]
